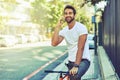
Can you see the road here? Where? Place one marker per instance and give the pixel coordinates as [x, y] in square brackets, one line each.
[17, 63]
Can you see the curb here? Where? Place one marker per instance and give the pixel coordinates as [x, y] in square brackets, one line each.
[106, 67]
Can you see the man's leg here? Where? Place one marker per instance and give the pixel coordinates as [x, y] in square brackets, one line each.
[83, 67]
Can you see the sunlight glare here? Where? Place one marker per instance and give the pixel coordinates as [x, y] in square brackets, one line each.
[41, 58]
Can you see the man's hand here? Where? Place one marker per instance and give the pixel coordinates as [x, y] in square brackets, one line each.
[73, 71]
[60, 22]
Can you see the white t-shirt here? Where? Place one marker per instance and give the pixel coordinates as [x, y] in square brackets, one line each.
[71, 37]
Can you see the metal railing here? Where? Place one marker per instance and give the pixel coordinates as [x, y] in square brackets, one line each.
[109, 32]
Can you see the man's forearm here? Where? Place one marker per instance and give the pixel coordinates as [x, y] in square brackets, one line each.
[55, 37]
[79, 56]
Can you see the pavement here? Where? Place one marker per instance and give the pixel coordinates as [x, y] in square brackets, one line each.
[106, 67]
[41, 43]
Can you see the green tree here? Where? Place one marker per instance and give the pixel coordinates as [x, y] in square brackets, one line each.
[48, 13]
[56, 11]
[39, 11]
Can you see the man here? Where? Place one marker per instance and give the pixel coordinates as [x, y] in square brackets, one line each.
[75, 35]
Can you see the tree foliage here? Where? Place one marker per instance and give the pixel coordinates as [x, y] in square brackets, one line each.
[48, 13]
[56, 11]
[39, 11]
[43, 12]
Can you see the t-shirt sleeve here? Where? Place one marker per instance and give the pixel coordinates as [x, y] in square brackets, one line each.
[82, 30]
[61, 33]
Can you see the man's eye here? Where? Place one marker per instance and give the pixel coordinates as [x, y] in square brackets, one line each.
[68, 13]
[65, 13]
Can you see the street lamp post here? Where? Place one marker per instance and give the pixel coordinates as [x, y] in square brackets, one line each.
[95, 33]
[95, 36]
[95, 42]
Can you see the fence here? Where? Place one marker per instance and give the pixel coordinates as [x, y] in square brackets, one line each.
[109, 32]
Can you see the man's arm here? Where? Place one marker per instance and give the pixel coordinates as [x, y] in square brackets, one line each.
[56, 38]
[81, 44]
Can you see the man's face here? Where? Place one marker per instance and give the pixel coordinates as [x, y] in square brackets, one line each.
[69, 15]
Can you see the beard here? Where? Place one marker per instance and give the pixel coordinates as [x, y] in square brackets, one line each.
[69, 20]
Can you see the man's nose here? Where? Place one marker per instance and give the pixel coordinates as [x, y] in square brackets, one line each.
[67, 14]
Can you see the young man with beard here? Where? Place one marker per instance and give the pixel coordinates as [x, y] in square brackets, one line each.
[75, 35]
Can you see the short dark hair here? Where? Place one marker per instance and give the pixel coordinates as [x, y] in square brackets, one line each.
[70, 7]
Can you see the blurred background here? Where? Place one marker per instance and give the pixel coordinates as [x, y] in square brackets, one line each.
[29, 21]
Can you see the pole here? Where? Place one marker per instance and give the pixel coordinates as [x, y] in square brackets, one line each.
[95, 32]
[95, 38]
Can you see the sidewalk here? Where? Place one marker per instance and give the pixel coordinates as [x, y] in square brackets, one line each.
[41, 43]
[106, 67]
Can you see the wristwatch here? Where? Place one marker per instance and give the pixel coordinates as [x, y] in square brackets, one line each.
[76, 65]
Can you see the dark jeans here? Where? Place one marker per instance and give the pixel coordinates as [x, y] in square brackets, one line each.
[83, 67]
